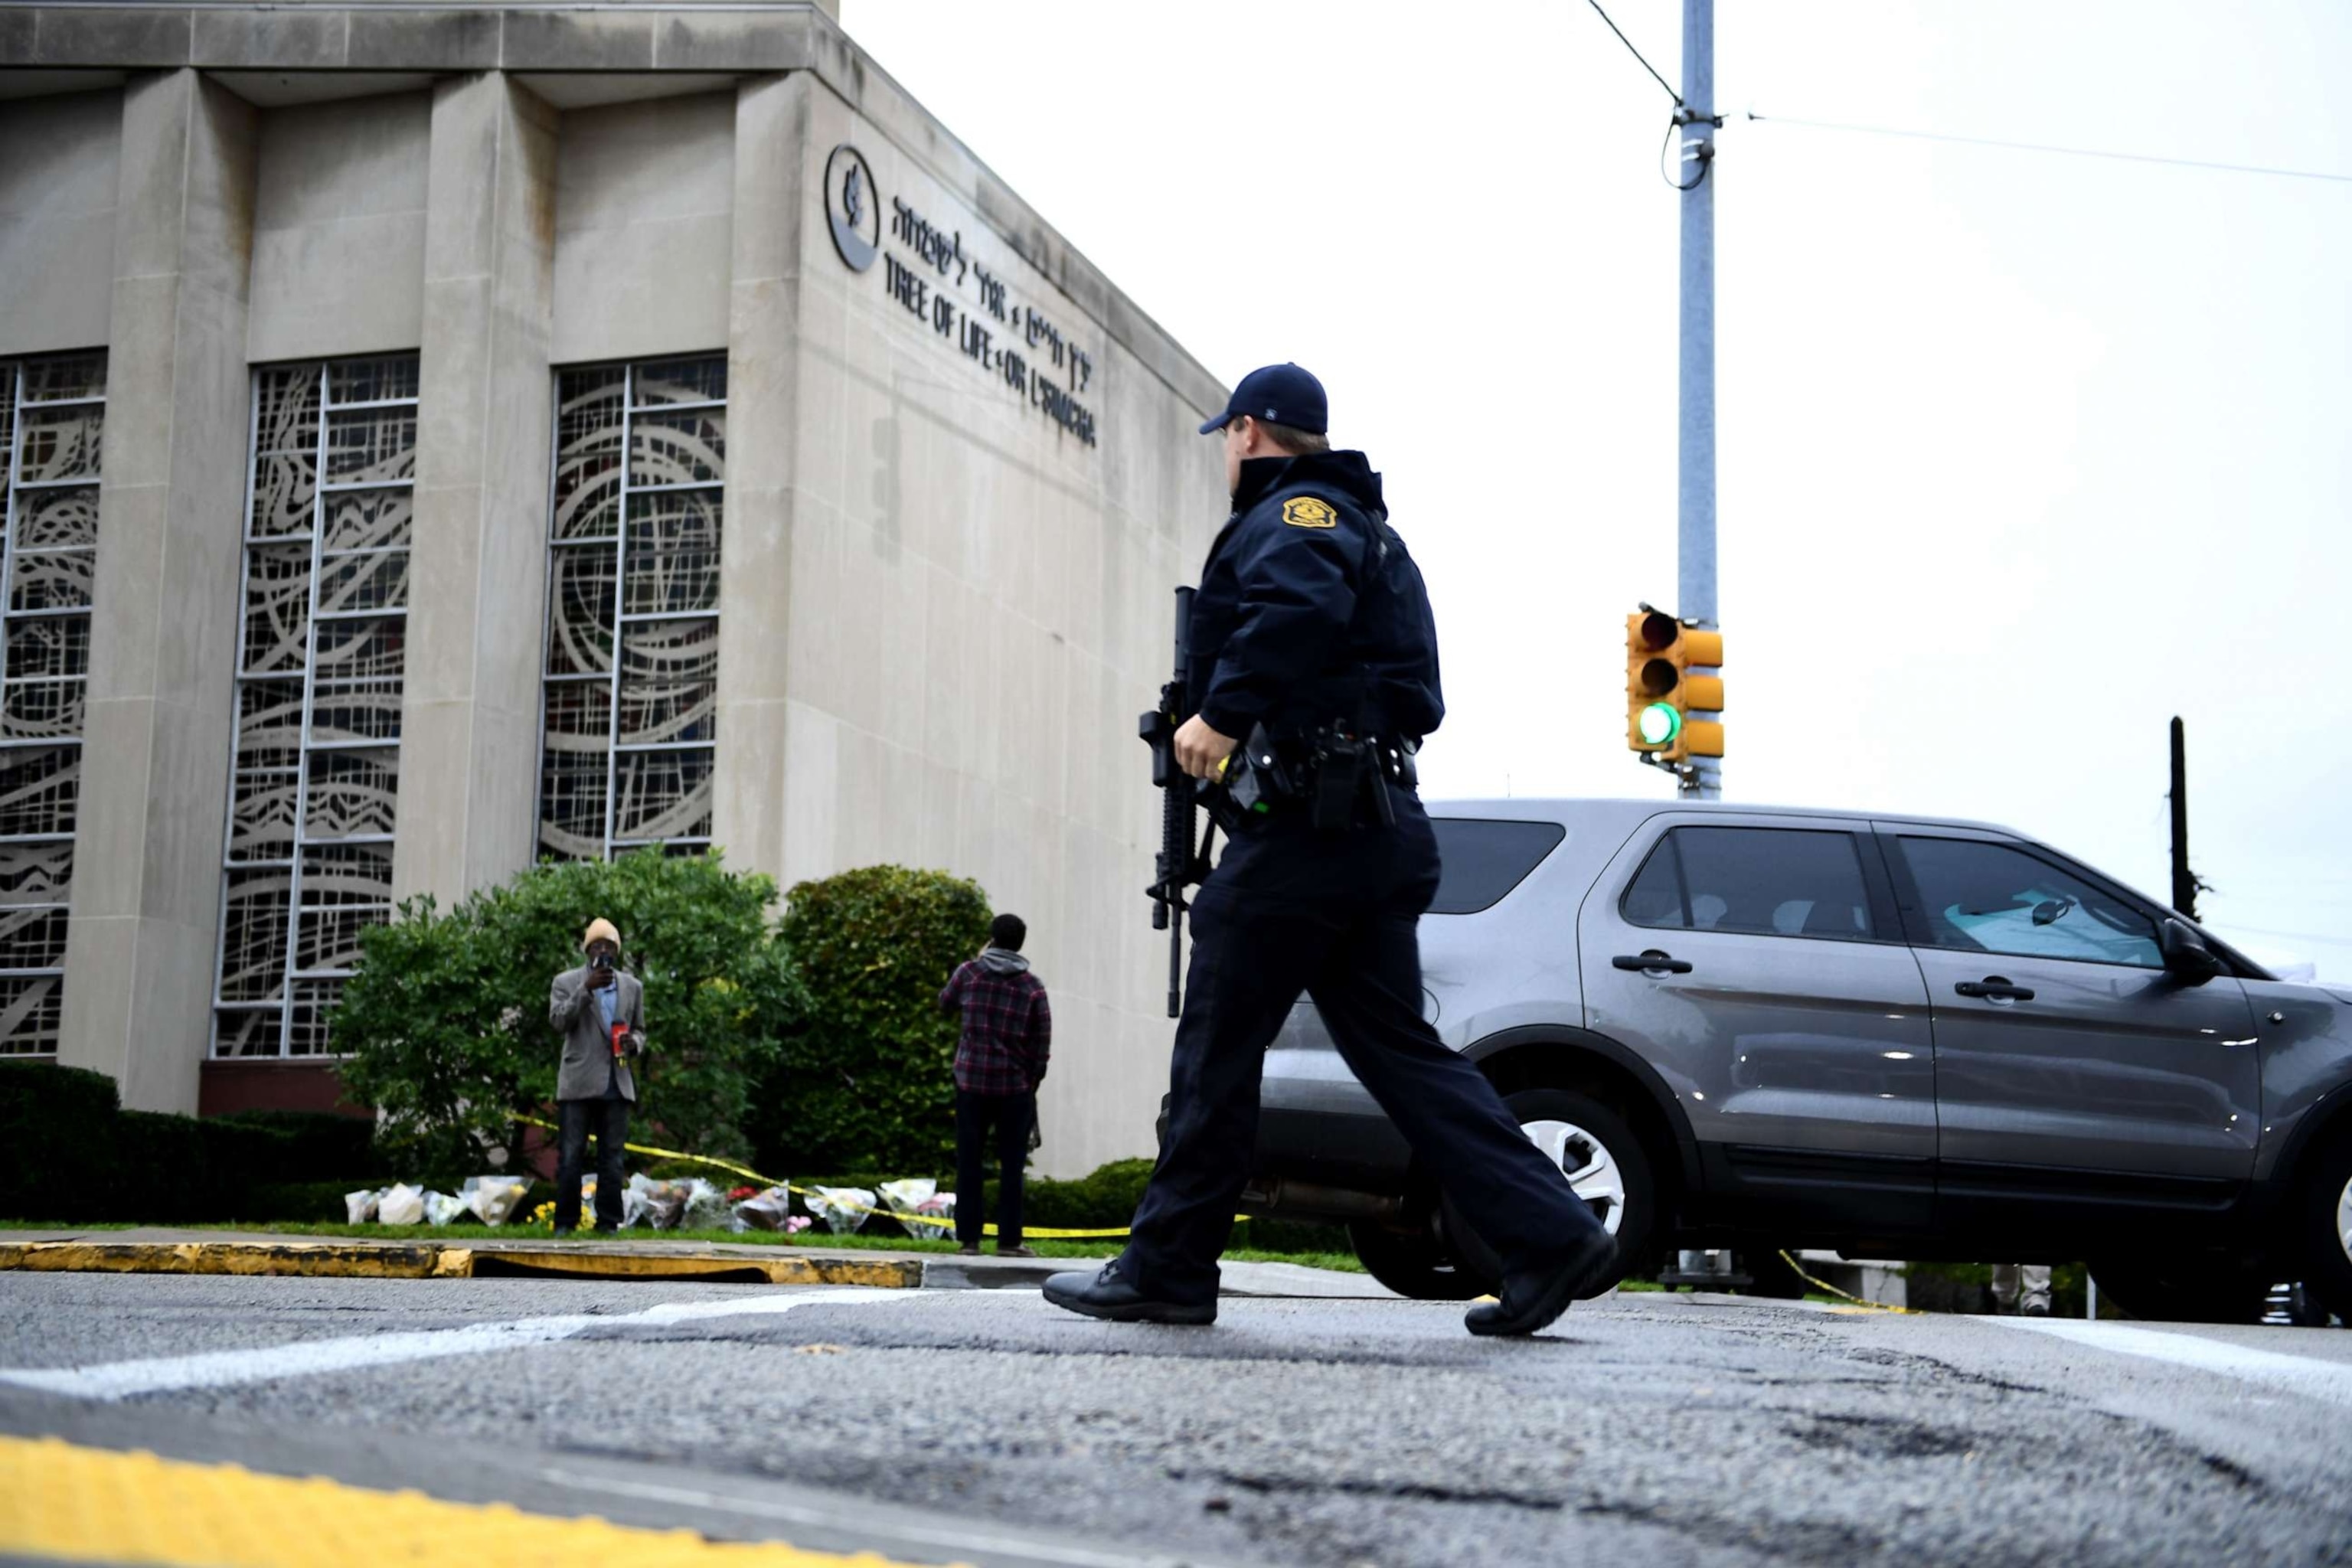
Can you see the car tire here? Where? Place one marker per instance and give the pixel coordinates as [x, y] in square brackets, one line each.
[2185, 1290]
[1581, 1134]
[2327, 1229]
[1412, 1263]
[2304, 1309]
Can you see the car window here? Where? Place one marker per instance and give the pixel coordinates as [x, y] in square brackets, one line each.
[1990, 898]
[1769, 881]
[1480, 860]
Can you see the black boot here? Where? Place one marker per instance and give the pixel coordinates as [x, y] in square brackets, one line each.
[1534, 1297]
[1111, 1295]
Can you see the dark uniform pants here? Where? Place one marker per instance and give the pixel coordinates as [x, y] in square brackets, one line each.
[575, 1120]
[1332, 915]
[1010, 1116]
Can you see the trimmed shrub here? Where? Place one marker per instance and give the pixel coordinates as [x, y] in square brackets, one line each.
[56, 1140]
[1104, 1196]
[445, 1020]
[167, 1171]
[69, 1153]
[868, 1081]
[302, 1145]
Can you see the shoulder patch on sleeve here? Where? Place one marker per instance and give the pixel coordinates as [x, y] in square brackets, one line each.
[1307, 511]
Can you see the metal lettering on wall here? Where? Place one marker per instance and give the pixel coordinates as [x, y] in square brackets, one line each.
[1016, 343]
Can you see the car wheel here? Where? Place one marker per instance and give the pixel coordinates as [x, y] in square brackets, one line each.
[2185, 1290]
[1603, 1162]
[2304, 1309]
[1412, 1263]
[2327, 1230]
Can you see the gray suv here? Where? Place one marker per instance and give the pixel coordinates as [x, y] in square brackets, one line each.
[1890, 1036]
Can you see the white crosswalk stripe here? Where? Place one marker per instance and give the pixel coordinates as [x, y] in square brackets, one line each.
[2328, 1379]
[309, 1358]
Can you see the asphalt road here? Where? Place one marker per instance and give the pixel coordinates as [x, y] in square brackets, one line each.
[988, 1427]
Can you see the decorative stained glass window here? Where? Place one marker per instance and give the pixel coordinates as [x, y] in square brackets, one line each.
[320, 660]
[52, 425]
[632, 689]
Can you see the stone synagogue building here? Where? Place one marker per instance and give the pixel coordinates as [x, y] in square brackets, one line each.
[442, 437]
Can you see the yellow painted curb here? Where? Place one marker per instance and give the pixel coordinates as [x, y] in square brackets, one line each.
[66, 1503]
[900, 1274]
[336, 1259]
[889, 1274]
[425, 1260]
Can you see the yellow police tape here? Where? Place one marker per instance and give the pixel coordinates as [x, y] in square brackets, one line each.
[1798, 1270]
[749, 1175]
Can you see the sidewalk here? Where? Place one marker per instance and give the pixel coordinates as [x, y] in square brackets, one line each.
[165, 1250]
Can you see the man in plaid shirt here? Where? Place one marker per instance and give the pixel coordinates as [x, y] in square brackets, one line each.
[1008, 1032]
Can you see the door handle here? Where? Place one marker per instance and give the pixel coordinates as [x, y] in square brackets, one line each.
[1993, 988]
[1651, 962]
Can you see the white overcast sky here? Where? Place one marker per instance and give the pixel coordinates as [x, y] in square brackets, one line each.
[2020, 453]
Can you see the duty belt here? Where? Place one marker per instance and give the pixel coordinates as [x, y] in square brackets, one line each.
[1330, 773]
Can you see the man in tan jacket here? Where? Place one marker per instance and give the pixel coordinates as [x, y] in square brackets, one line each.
[600, 1011]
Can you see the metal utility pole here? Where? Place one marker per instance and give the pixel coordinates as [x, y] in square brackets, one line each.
[2184, 880]
[1695, 493]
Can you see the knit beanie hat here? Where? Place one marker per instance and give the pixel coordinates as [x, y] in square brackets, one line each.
[600, 930]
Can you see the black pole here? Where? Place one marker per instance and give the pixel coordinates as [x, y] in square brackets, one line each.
[2184, 884]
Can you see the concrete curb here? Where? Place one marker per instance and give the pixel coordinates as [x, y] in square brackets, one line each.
[361, 1260]
[161, 1250]
[428, 1261]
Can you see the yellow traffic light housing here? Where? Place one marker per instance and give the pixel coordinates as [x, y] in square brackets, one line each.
[1663, 688]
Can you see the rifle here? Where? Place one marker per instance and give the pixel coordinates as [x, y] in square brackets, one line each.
[1179, 864]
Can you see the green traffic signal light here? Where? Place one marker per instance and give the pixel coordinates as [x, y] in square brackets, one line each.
[1660, 722]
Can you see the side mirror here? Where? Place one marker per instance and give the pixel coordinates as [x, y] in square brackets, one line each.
[2186, 957]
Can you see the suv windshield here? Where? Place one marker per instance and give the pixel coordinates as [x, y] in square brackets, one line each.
[1483, 859]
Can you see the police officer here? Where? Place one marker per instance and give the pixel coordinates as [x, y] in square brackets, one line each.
[1312, 639]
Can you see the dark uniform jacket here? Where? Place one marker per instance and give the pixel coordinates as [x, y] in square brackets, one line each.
[1309, 610]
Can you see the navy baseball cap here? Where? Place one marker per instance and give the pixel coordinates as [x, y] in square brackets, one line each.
[1277, 395]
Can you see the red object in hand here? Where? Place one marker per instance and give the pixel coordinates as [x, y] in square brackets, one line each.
[620, 1039]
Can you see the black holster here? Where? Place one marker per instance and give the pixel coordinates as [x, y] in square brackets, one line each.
[1338, 778]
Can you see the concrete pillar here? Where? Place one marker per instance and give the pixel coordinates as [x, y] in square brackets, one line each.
[140, 951]
[469, 747]
[772, 202]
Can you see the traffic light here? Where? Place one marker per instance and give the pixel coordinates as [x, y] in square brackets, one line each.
[1662, 689]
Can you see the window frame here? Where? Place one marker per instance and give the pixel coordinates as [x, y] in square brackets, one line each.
[14, 488]
[615, 751]
[1921, 932]
[296, 865]
[1878, 897]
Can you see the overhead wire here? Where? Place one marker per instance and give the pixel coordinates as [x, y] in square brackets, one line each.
[1630, 49]
[1684, 114]
[2054, 148]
